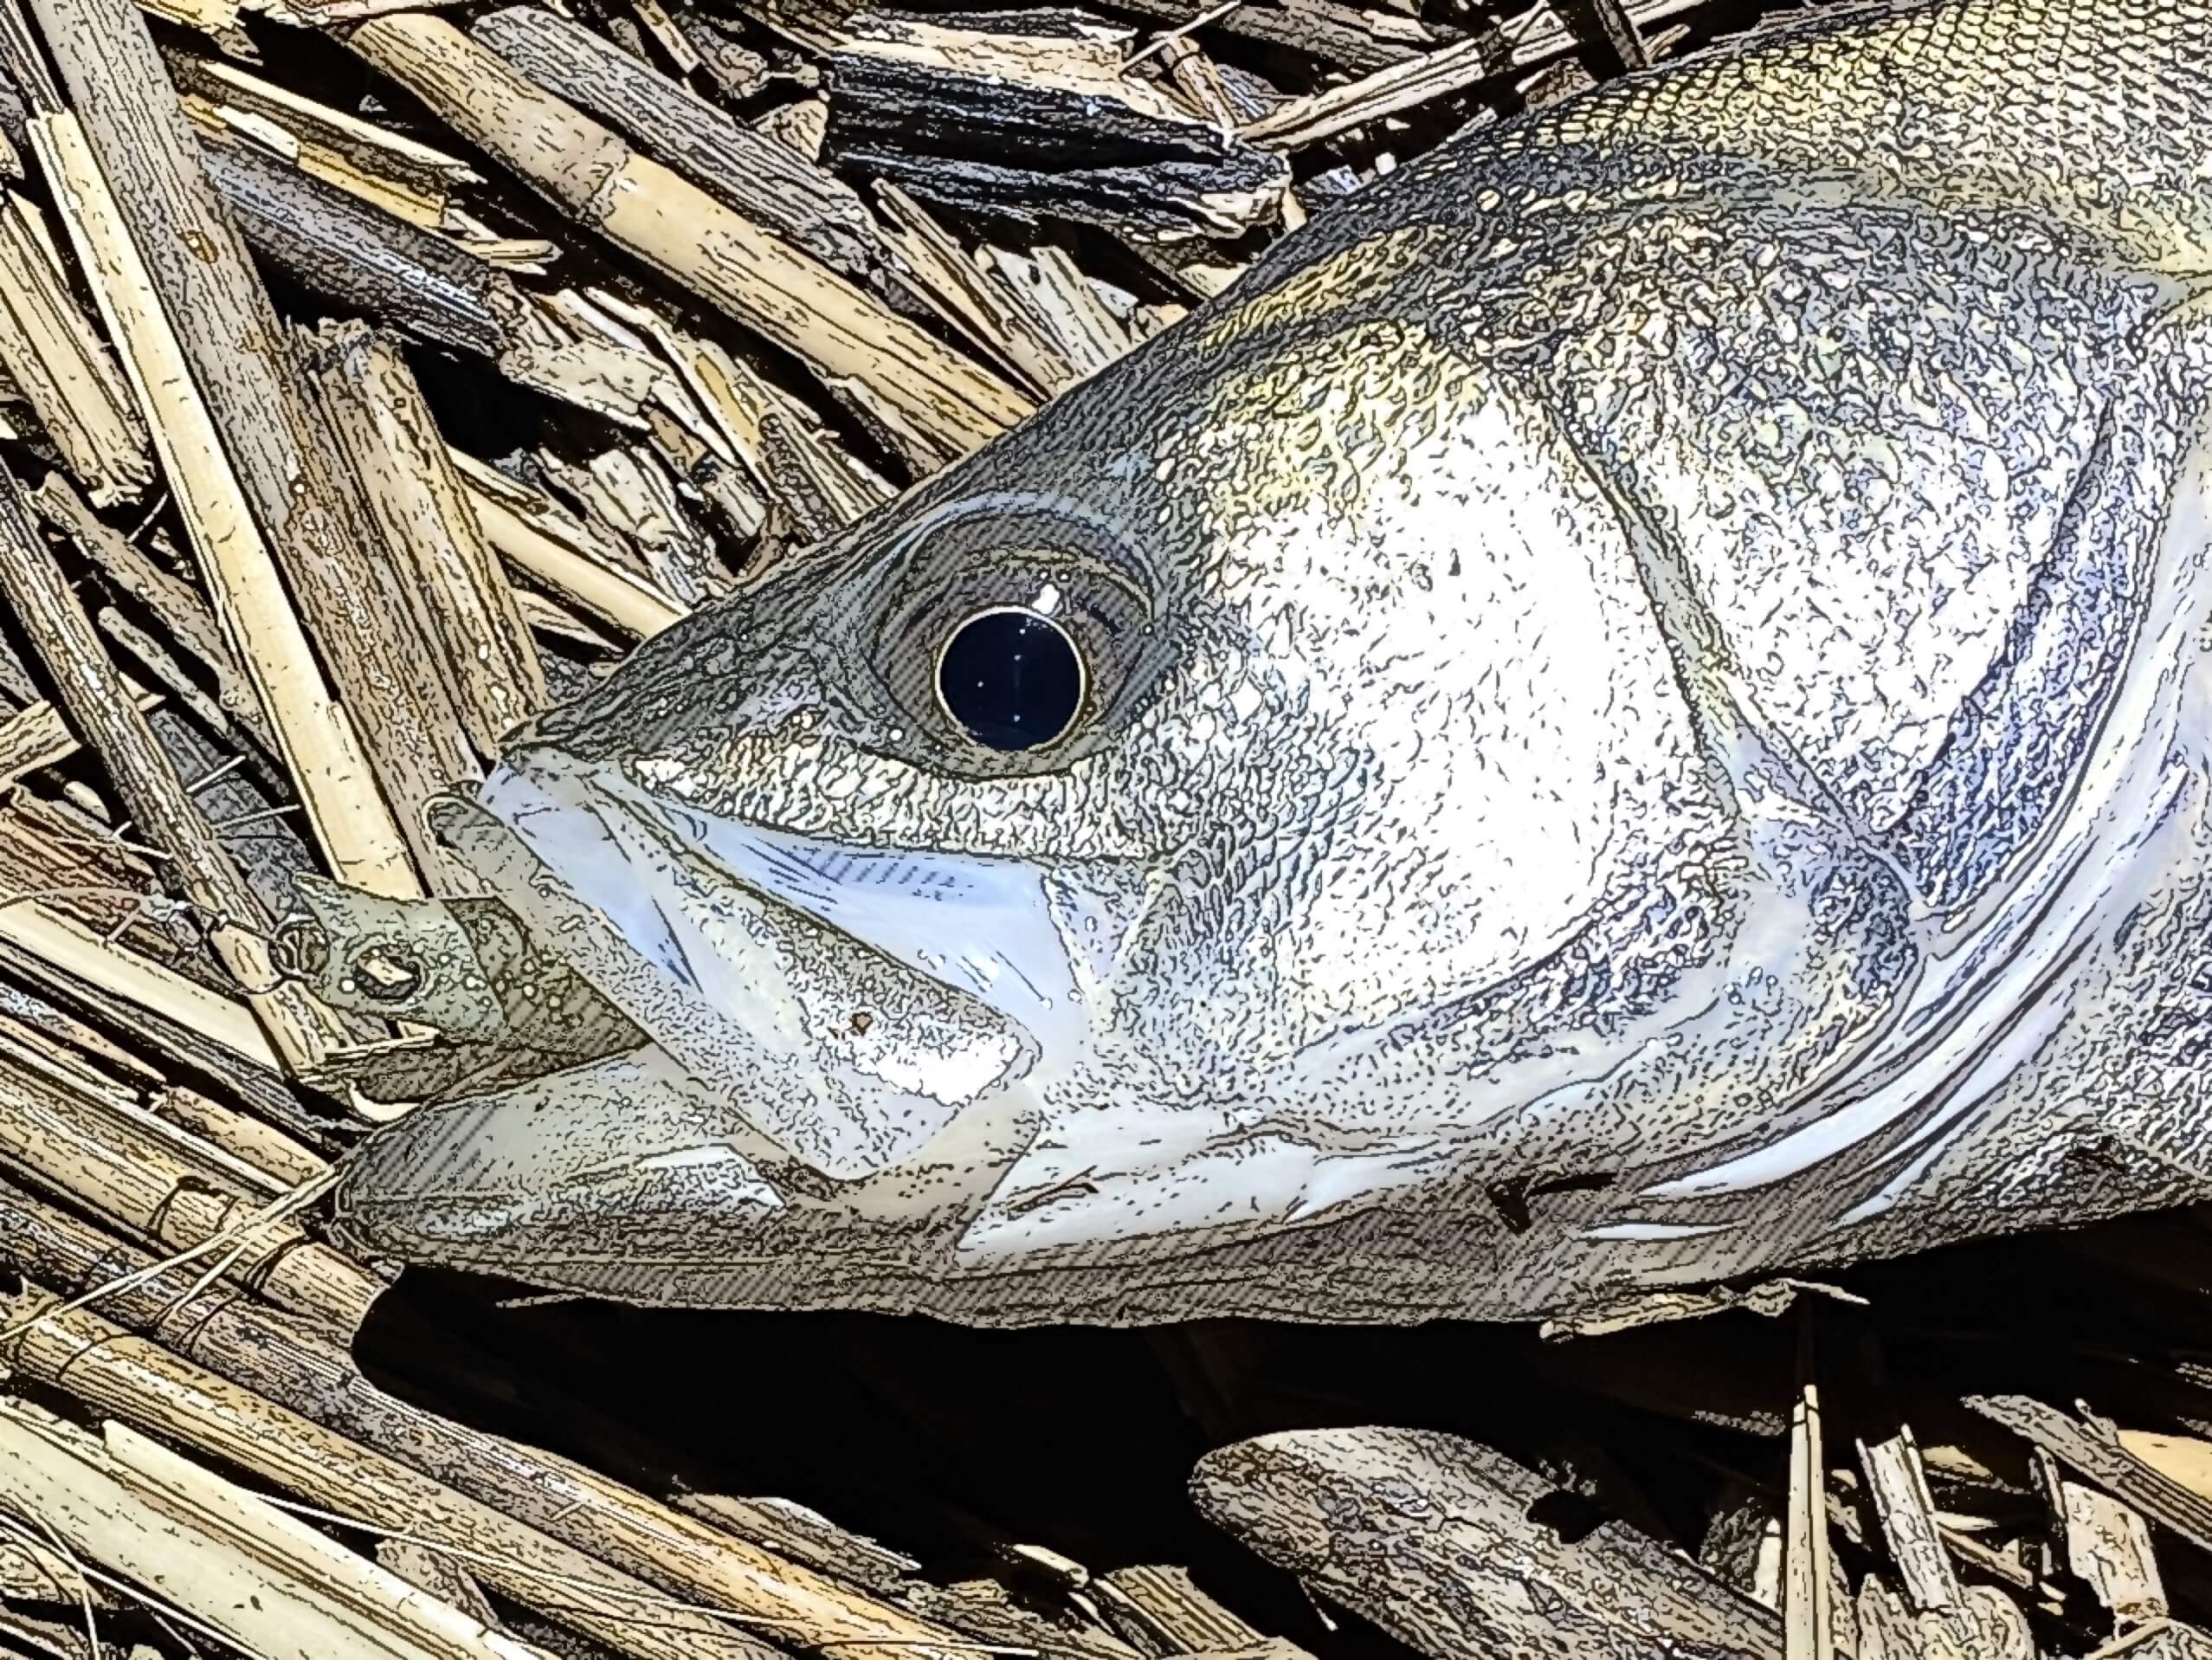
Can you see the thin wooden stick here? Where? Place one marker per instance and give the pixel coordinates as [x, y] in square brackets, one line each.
[175, 605]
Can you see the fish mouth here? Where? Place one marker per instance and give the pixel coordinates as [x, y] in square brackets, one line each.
[875, 990]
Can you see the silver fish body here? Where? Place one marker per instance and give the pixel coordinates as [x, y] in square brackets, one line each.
[1643, 719]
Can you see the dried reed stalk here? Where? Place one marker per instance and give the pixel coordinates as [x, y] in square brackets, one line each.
[464, 610]
[322, 751]
[219, 1554]
[298, 1029]
[933, 403]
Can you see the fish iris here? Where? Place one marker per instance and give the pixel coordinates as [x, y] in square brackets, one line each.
[1011, 678]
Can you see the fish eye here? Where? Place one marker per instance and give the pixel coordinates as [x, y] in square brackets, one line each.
[1011, 678]
[1010, 631]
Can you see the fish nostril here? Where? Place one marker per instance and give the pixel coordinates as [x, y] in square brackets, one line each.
[300, 949]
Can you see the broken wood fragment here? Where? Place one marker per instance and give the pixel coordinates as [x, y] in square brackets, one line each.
[340, 246]
[934, 110]
[2094, 1450]
[539, 540]
[1898, 1485]
[2103, 1544]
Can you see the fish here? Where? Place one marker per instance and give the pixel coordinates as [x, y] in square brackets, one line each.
[1626, 710]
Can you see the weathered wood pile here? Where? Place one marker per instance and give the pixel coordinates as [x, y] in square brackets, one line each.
[371, 374]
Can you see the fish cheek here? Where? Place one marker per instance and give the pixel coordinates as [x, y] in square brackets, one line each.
[1453, 730]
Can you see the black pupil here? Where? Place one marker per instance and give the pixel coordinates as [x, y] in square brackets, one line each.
[1012, 679]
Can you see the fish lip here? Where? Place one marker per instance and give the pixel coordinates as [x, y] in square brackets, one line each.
[606, 873]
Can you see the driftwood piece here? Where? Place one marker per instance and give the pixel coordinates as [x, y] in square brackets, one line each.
[761, 179]
[283, 1161]
[1986, 1625]
[266, 453]
[1412, 80]
[1087, 150]
[935, 403]
[805, 1536]
[626, 492]
[462, 609]
[1343, 36]
[1444, 1544]
[1606, 26]
[35, 737]
[86, 683]
[969, 297]
[1808, 1570]
[1183, 1618]
[441, 1576]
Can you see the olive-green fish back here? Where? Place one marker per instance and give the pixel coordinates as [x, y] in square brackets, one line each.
[2104, 108]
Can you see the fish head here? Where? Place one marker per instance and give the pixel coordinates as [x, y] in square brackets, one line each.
[1040, 870]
